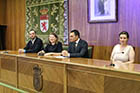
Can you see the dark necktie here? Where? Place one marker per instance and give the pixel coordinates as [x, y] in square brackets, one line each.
[74, 46]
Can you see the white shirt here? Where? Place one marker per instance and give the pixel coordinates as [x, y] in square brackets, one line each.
[77, 42]
[124, 55]
[33, 40]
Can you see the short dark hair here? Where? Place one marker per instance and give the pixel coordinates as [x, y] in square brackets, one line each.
[76, 32]
[33, 30]
[125, 33]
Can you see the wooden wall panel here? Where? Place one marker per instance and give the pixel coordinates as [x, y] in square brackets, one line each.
[2, 12]
[52, 83]
[78, 83]
[7, 90]
[15, 15]
[8, 69]
[105, 35]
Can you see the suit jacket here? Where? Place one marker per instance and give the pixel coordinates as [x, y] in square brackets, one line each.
[80, 51]
[53, 48]
[34, 48]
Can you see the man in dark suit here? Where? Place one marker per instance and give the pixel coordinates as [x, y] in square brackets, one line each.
[77, 47]
[34, 45]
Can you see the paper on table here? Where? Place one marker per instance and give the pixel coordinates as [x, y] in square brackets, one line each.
[59, 57]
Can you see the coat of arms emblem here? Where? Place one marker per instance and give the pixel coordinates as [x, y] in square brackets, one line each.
[44, 20]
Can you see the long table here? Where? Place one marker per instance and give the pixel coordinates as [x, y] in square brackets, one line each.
[34, 74]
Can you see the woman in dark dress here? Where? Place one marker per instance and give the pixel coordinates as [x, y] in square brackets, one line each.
[53, 46]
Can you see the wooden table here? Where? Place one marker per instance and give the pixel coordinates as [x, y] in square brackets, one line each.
[68, 75]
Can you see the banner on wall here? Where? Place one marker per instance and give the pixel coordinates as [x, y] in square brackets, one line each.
[45, 17]
[44, 20]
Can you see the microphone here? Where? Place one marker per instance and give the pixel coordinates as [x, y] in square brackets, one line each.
[5, 52]
[41, 54]
[112, 64]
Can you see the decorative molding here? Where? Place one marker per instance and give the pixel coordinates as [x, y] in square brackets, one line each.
[66, 22]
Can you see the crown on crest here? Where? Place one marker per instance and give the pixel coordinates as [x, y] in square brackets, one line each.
[44, 11]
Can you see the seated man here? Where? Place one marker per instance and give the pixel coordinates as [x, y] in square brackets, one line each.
[34, 45]
[77, 47]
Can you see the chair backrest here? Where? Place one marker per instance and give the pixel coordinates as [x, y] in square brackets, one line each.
[90, 50]
[65, 47]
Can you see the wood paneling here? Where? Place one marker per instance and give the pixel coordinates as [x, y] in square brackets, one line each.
[15, 20]
[2, 12]
[7, 90]
[53, 76]
[103, 51]
[8, 69]
[78, 83]
[90, 80]
[105, 35]
[119, 84]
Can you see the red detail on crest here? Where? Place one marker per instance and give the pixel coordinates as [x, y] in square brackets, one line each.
[44, 22]
[44, 17]
[44, 25]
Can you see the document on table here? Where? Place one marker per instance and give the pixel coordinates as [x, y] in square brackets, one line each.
[59, 57]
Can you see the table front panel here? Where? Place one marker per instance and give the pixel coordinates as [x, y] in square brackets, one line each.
[53, 74]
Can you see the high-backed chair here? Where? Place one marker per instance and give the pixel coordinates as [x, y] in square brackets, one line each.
[90, 51]
[65, 47]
